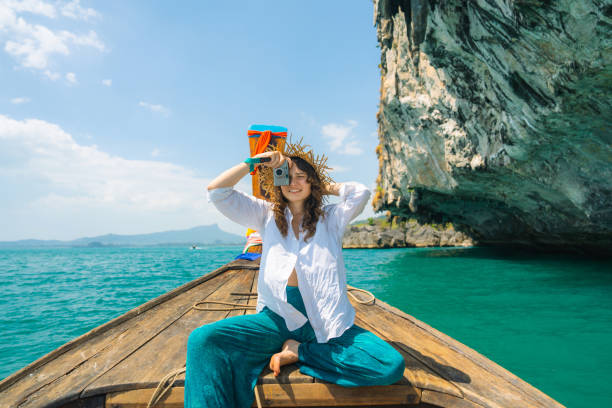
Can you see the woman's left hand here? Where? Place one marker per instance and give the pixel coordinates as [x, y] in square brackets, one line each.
[276, 159]
[332, 189]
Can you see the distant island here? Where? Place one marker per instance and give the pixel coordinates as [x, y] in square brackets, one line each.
[204, 235]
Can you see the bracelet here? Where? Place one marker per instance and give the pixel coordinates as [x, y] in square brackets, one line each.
[251, 162]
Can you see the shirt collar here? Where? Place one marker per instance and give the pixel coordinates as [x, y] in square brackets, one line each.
[289, 217]
[288, 214]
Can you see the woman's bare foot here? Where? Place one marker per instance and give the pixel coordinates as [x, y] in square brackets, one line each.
[288, 355]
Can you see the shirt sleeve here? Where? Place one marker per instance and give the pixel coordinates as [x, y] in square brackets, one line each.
[239, 207]
[353, 199]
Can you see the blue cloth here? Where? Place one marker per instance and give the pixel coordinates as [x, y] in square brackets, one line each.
[271, 128]
[225, 358]
[251, 256]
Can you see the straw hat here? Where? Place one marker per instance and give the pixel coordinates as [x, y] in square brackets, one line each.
[303, 151]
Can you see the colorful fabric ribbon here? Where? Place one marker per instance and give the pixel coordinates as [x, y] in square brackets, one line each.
[262, 143]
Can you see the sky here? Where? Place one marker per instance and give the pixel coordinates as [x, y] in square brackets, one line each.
[115, 115]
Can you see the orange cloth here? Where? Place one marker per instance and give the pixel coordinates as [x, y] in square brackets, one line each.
[263, 141]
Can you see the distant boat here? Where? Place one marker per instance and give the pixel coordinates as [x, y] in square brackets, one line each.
[194, 247]
[120, 363]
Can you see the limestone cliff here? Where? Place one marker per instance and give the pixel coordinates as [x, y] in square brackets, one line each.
[495, 115]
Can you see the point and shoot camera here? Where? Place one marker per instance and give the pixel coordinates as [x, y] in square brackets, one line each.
[281, 175]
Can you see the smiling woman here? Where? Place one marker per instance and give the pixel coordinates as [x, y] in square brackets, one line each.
[303, 313]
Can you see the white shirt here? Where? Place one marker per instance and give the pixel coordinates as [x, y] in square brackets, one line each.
[318, 263]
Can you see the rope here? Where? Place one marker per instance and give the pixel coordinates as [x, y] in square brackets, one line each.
[372, 299]
[255, 390]
[221, 309]
[168, 381]
[164, 386]
[240, 306]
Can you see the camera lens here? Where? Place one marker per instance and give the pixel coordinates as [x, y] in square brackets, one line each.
[279, 172]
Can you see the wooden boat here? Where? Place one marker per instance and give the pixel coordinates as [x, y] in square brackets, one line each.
[120, 363]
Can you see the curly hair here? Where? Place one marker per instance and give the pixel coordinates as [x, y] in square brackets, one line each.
[313, 207]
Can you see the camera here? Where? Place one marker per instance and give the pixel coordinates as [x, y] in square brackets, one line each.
[281, 175]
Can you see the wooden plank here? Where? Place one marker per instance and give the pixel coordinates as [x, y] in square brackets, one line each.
[285, 395]
[472, 376]
[290, 374]
[94, 402]
[319, 394]
[415, 373]
[62, 383]
[253, 299]
[445, 400]
[141, 398]
[166, 350]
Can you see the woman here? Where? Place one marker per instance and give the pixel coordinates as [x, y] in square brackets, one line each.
[304, 315]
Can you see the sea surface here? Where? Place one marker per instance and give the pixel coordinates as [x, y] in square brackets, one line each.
[545, 318]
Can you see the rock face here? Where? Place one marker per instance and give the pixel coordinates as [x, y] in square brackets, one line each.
[412, 234]
[495, 115]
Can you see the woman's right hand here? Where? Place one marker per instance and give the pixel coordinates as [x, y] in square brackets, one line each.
[276, 159]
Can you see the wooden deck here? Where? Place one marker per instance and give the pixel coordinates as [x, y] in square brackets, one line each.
[120, 363]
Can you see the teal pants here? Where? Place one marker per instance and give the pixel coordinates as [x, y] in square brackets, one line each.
[225, 358]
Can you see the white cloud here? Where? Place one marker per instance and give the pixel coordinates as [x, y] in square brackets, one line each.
[351, 148]
[20, 100]
[89, 40]
[107, 82]
[76, 11]
[33, 45]
[48, 179]
[340, 139]
[155, 152]
[54, 76]
[31, 6]
[155, 108]
[71, 77]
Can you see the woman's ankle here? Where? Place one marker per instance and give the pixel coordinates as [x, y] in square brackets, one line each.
[291, 345]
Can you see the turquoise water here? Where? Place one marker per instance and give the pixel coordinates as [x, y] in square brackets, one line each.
[546, 318]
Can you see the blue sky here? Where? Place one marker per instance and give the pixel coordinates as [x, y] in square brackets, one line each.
[114, 115]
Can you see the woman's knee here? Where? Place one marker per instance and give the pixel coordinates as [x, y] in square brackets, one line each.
[389, 362]
[202, 337]
[394, 368]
